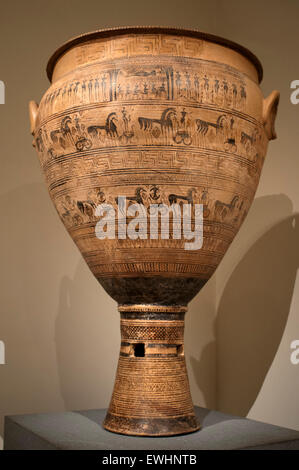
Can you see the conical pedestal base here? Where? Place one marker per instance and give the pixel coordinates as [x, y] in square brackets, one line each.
[151, 395]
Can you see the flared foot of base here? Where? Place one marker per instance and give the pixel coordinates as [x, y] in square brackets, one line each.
[151, 427]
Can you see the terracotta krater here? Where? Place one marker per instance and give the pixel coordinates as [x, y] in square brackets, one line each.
[151, 116]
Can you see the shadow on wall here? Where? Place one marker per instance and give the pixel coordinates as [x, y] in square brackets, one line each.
[254, 306]
[200, 340]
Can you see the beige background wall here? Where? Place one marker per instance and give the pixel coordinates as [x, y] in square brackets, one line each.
[61, 330]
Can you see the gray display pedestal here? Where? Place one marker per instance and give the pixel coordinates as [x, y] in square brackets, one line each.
[82, 430]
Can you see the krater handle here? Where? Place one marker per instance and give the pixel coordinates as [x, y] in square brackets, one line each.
[270, 106]
[33, 110]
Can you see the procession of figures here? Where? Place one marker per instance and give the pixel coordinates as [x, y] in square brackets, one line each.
[147, 83]
[83, 211]
[172, 127]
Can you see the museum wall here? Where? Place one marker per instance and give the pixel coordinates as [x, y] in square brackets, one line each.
[60, 329]
[257, 285]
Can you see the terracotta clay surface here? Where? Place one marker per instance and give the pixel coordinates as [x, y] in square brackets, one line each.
[159, 116]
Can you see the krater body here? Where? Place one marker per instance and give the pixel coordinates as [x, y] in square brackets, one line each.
[155, 116]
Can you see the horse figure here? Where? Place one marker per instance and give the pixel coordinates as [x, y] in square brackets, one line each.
[165, 122]
[63, 131]
[222, 210]
[174, 198]
[203, 126]
[248, 140]
[110, 127]
[87, 208]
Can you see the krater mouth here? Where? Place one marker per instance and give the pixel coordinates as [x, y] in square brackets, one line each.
[150, 30]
